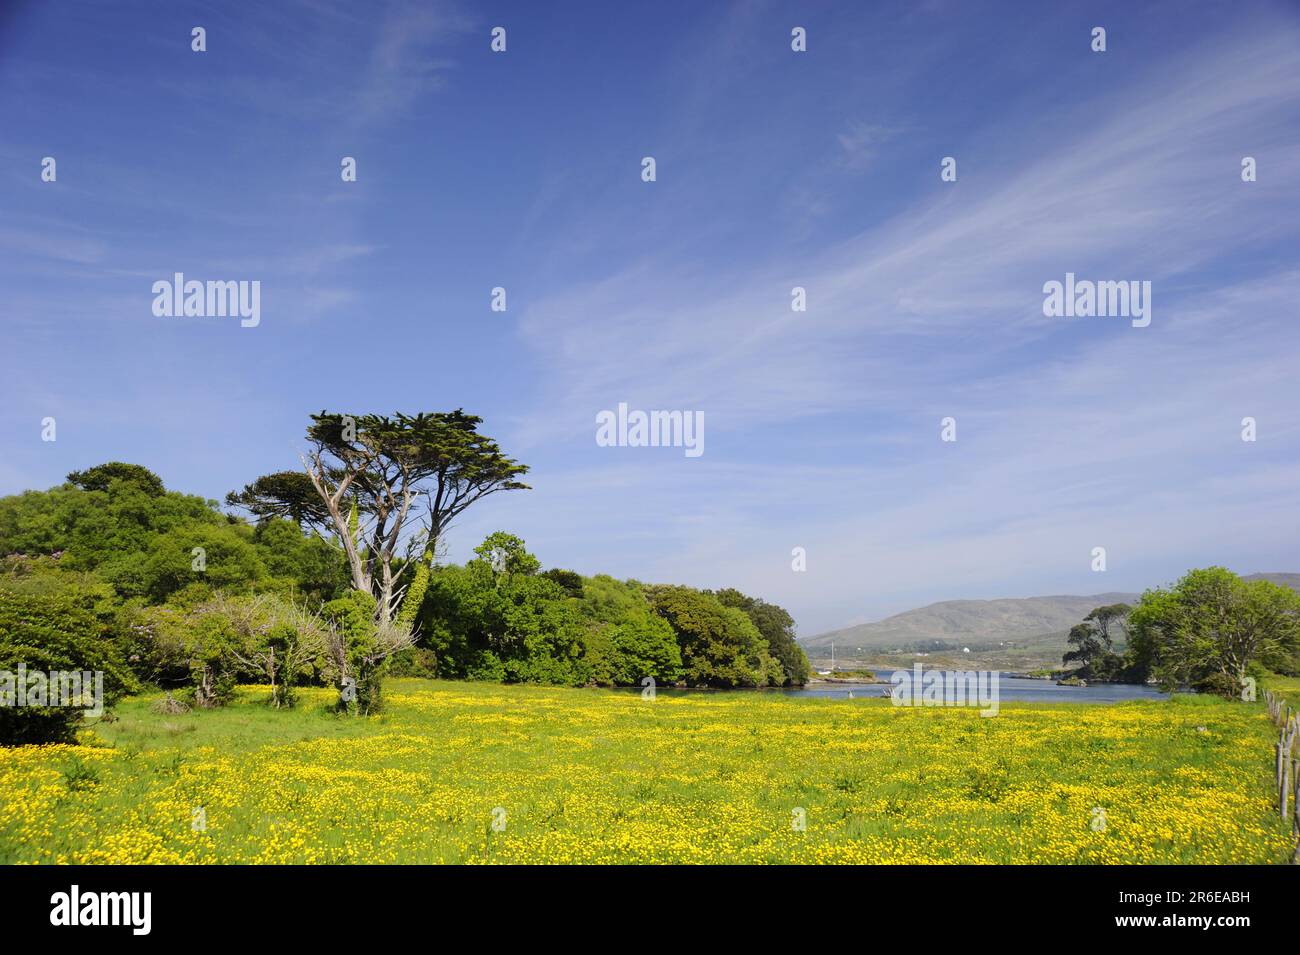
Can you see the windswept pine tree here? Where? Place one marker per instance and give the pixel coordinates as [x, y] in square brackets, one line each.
[407, 477]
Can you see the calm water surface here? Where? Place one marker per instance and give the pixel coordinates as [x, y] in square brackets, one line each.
[1009, 689]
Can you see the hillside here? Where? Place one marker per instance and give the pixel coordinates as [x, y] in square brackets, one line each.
[1019, 632]
[966, 621]
[1286, 580]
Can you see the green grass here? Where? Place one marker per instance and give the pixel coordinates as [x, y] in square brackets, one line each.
[589, 775]
[1287, 686]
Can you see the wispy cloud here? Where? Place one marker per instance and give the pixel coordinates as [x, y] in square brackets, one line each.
[862, 143]
[1070, 435]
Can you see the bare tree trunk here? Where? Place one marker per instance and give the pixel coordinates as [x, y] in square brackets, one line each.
[333, 502]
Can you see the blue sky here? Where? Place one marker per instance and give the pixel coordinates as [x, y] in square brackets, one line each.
[775, 169]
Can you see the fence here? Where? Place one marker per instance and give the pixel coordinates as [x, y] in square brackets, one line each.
[1288, 766]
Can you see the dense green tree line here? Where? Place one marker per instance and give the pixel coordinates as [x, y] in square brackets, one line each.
[113, 571]
[1211, 631]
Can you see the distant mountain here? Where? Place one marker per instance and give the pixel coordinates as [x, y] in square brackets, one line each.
[969, 621]
[982, 622]
[1286, 580]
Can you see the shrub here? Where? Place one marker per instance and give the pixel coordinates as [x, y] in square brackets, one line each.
[485, 665]
[217, 642]
[598, 651]
[221, 555]
[52, 632]
[360, 647]
[496, 618]
[569, 581]
[777, 627]
[720, 645]
[644, 645]
[101, 477]
[414, 661]
[170, 706]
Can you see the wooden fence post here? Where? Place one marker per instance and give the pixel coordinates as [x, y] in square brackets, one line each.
[1277, 781]
[1286, 788]
[1295, 803]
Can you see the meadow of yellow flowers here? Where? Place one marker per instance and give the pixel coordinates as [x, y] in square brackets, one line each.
[477, 773]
